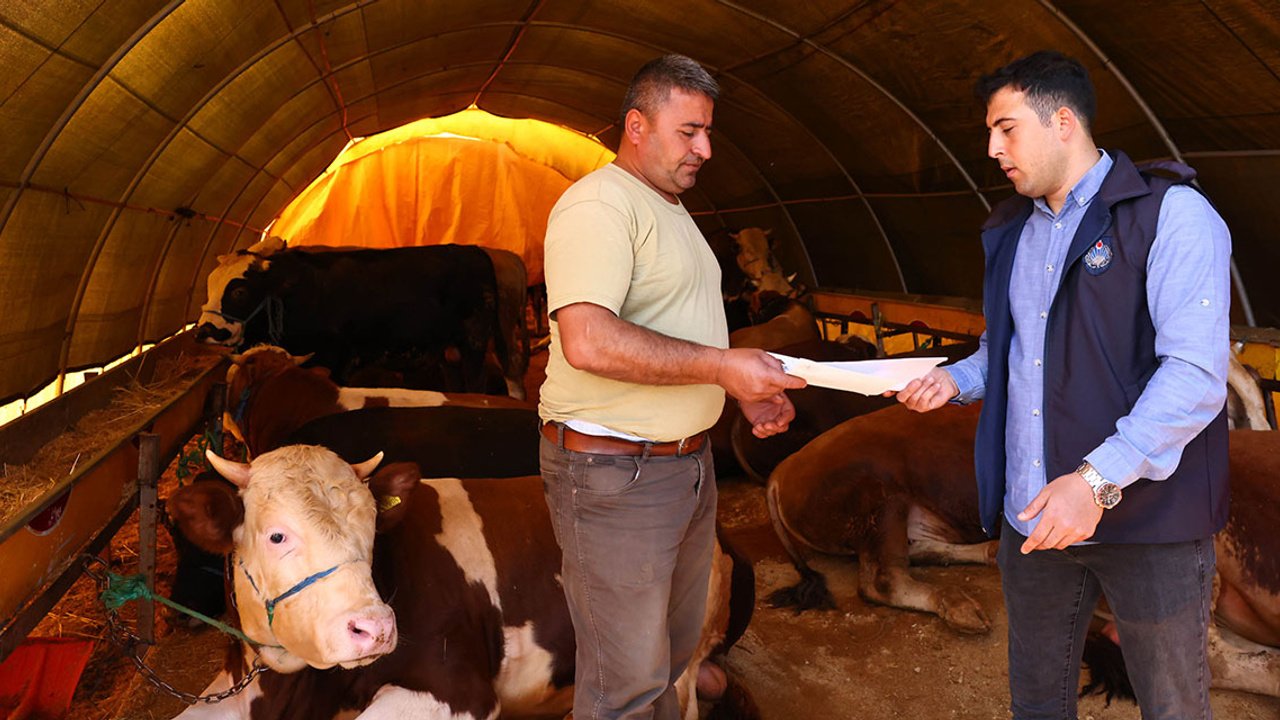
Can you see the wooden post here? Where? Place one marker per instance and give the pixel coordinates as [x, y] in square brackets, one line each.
[148, 475]
[217, 405]
[877, 322]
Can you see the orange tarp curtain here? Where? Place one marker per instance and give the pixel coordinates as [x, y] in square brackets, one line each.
[470, 178]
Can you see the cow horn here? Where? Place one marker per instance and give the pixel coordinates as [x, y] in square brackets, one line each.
[235, 358]
[237, 473]
[366, 468]
[300, 359]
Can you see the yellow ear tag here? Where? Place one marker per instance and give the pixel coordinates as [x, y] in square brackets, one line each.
[386, 502]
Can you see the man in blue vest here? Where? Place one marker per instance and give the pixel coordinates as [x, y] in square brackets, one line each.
[1102, 439]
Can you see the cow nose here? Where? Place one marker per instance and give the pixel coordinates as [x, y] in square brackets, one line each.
[372, 634]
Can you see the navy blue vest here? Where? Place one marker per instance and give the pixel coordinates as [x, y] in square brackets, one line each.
[1099, 354]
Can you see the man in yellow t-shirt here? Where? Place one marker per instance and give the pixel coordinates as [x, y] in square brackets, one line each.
[637, 372]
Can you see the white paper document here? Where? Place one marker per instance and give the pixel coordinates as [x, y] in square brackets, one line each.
[869, 377]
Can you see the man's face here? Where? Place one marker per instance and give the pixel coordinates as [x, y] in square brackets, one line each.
[674, 141]
[1031, 155]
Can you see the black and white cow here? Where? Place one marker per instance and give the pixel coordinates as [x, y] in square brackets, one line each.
[416, 317]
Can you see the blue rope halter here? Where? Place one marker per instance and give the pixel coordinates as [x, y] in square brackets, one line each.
[275, 317]
[299, 587]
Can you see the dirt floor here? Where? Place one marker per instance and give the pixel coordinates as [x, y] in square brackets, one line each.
[860, 661]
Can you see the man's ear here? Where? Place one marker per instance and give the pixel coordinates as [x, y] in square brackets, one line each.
[633, 125]
[1067, 121]
[391, 486]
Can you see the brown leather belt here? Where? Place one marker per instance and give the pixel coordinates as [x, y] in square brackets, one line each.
[604, 445]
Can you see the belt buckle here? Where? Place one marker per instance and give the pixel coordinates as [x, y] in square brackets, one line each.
[680, 446]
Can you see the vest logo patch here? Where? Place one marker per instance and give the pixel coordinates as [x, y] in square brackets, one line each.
[1098, 258]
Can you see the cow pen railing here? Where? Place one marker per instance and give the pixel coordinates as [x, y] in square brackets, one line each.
[41, 545]
[887, 317]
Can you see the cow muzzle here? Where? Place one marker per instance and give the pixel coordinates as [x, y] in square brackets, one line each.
[369, 635]
[211, 334]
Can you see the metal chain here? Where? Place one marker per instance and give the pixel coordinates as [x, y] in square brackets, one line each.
[128, 641]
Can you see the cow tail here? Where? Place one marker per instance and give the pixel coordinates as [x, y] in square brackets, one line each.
[811, 593]
[734, 433]
[1107, 673]
[499, 321]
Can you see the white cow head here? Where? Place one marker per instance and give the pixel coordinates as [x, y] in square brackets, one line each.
[232, 294]
[758, 263]
[302, 559]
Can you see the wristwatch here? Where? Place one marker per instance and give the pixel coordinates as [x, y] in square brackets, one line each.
[1106, 494]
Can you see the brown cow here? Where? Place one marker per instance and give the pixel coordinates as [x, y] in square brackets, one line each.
[794, 324]
[470, 568]
[892, 487]
[270, 395]
[818, 409]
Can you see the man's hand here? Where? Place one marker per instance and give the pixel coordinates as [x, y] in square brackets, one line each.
[754, 376]
[769, 417]
[1067, 513]
[929, 392]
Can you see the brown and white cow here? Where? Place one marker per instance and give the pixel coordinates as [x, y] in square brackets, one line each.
[270, 395]
[470, 567]
[755, 257]
[892, 487]
[1246, 401]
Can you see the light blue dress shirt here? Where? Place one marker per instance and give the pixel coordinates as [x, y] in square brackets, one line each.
[1188, 297]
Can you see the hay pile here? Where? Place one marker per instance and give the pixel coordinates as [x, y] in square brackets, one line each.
[132, 403]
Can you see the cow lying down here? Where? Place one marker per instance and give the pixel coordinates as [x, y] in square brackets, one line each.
[892, 487]
[452, 609]
[1244, 642]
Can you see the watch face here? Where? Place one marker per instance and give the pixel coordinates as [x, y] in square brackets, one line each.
[1107, 495]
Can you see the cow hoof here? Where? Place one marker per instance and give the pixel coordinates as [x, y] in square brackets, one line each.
[962, 613]
[993, 549]
[712, 681]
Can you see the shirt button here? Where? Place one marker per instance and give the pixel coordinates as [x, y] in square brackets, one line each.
[1036, 463]
[1044, 315]
[1204, 303]
[1057, 226]
[1048, 268]
[1038, 362]
[1036, 413]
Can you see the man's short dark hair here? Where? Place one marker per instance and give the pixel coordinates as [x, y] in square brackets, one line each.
[652, 85]
[1049, 80]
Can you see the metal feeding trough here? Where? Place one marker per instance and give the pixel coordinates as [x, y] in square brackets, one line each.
[41, 544]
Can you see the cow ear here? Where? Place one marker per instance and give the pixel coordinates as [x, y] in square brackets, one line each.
[391, 487]
[237, 473]
[206, 512]
[365, 469]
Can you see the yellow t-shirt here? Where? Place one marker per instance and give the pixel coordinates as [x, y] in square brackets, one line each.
[615, 242]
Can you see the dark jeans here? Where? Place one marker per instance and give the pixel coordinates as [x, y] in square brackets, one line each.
[1160, 596]
[637, 536]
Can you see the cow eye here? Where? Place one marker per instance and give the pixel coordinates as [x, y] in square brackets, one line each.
[276, 538]
[239, 293]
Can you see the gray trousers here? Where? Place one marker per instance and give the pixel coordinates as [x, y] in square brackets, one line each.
[1160, 597]
[637, 536]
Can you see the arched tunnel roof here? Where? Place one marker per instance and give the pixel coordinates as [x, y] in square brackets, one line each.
[142, 139]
